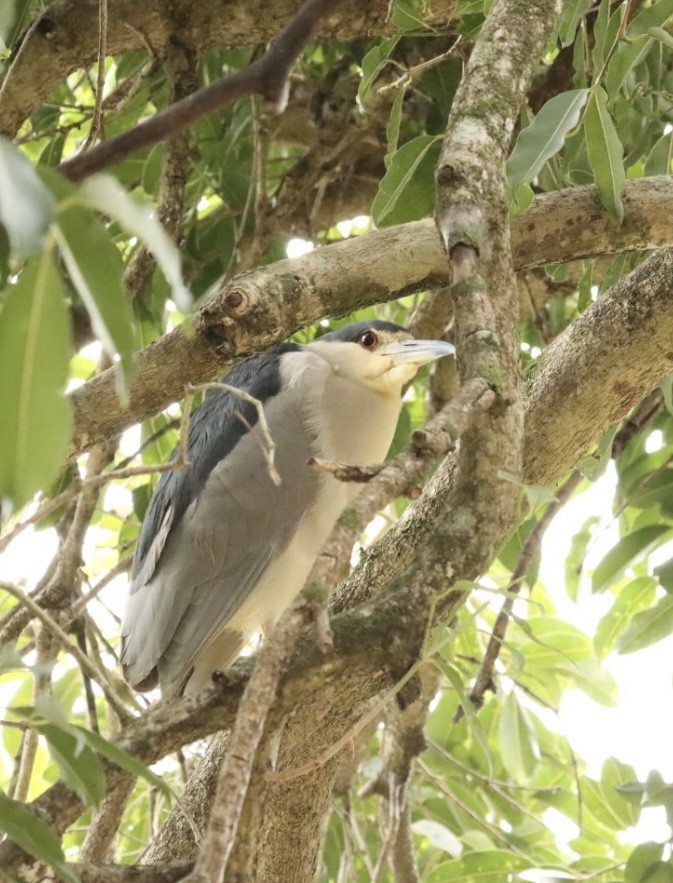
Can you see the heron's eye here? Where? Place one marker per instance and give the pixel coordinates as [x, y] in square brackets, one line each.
[369, 340]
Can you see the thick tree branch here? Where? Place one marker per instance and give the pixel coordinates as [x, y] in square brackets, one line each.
[266, 77]
[265, 306]
[571, 402]
[246, 735]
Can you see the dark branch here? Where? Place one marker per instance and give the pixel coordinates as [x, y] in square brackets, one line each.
[267, 77]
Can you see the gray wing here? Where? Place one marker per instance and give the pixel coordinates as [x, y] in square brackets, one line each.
[196, 573]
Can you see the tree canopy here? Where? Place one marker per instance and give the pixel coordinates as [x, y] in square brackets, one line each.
[184, 184]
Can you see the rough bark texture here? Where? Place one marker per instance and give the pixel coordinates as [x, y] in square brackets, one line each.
[263, 307]
[366, 640]
[579, 389]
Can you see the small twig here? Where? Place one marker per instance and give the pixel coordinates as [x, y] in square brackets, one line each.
[403, 860]
[269, 447]
[267, 77]
[55, 629]
[347, 471]
[484, 679]
[395, 800]
[155, 436]
[80, 636]
[232, 787]
[97, 117]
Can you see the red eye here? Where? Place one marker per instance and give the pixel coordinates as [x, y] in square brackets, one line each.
[369, 340]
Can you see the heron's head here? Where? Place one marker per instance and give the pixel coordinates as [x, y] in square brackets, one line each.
[381, 355]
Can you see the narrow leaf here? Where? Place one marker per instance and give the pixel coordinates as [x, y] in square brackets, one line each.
[605, 153]
[394, 123]
[80, 768]
[623, 61]
[372, 64]
[518, 746]
[572, 14]
[630, 600]
[626, 551]
[648, 627]
[492, 866]
[34, 413]
[453, 677]
[124, 760]
[653, 16]
[33, 835]
[95, 267]
[26, 206]
[545, 136]
[402, 188]
[641, 861]
[576, 555]
[105, 193]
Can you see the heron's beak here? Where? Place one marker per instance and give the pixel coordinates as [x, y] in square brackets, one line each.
[416, 352]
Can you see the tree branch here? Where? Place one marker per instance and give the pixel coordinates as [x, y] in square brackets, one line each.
[261, 308]
[65, 37]
[571, 402]
[266, 77]
[234, 779]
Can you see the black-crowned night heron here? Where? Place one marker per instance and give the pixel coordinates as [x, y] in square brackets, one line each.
[223, 550]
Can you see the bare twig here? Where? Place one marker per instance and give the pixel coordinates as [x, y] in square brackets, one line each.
[97, 117]
[256, 311]
[484, 679]
[347, 471]
[85, 664]
[269, 446]
[246, 735]
[266, 77]
[648, 409]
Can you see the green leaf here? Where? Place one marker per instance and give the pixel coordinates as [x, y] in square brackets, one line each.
[406, 191]
[34, 413]
[394, 123]
[648, 627]
[631, 599]
[662, 36]
[593, 466]
[576, 555]
[645, 866]
[406, 16]
[80, 768]
[439, 835]
[26, 206]
[545, 136]
[518, 745]
[653, 16]
[105, 194]
[33, 835]
[373, 63]
[572, 14]
[95, 268]
[628, 56]
[124, 760]
[629, 548]
[614, 774]
[493, 866]
[605, 153]
[590, 677]
[454, 678]
[606, 33]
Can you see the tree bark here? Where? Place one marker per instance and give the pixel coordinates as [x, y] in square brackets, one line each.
[65, 37]
[263, 307]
